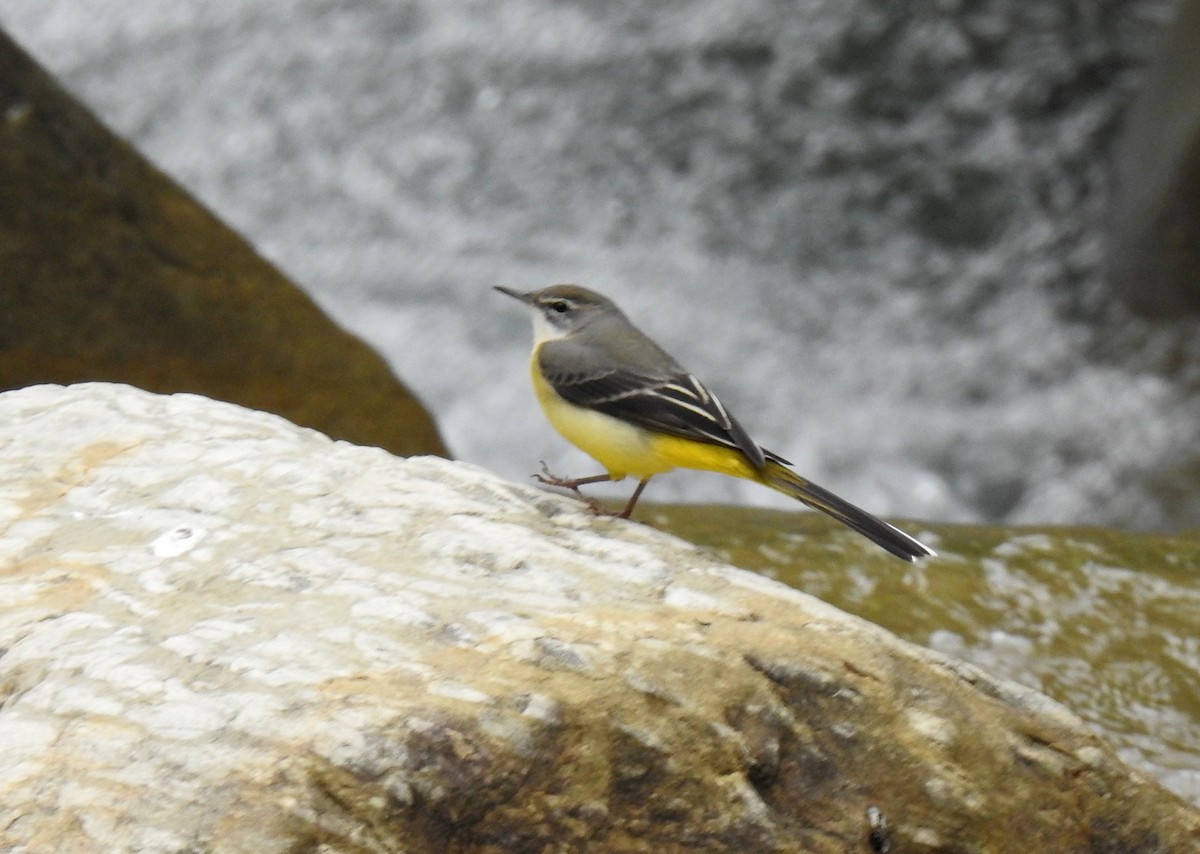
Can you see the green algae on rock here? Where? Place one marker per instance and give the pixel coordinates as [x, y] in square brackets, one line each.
[1103, 621]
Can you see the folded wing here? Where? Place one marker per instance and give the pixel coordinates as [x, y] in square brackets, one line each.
[677, 404]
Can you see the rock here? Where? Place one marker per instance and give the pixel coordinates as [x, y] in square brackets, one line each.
[223, 632]
[1154, 252]
[113, 272]
[1101, 620]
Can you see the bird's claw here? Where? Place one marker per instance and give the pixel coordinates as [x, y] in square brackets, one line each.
[549, 479]
[554, 480]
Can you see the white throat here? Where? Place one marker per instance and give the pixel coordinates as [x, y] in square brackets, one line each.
[544, 330]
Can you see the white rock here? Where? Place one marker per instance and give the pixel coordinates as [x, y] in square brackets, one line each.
[222, 632]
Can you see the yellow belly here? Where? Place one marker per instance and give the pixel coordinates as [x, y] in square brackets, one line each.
[624, 449]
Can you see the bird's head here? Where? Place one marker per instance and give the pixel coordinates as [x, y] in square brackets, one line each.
[560, 310]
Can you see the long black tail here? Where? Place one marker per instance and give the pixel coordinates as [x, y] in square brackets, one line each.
[876, 530]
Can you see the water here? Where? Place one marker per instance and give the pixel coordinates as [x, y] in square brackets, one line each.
[877, 237]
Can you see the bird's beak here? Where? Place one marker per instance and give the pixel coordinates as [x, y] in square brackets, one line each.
[525, 298]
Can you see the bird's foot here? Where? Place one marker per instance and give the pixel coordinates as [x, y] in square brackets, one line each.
[550, 479]
[573, 485]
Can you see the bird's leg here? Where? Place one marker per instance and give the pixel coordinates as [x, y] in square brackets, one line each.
[573, 484]
[624, 514]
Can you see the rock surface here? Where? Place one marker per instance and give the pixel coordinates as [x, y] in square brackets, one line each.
[1154, 251]
[222, 632]
[1101, 620]
[112, 272]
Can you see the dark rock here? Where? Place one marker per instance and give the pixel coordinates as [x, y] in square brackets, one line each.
[1154, 255]
[112, 272]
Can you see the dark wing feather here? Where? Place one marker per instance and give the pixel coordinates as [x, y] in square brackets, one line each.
[676, 404]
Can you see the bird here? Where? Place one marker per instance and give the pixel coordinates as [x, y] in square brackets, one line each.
[621, 399]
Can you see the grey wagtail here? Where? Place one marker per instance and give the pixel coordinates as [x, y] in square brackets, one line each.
[618, 397]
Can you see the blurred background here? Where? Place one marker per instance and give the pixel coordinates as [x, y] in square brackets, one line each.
[882, 232]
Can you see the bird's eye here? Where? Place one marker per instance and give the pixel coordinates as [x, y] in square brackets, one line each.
[560, 306]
